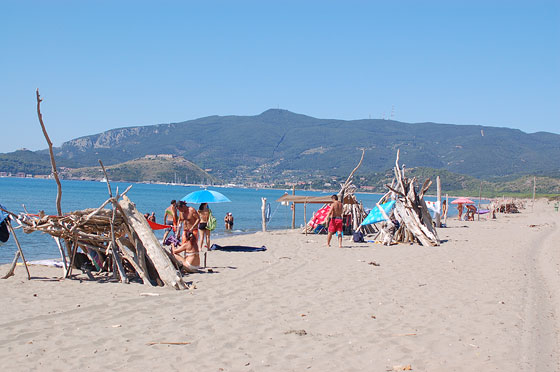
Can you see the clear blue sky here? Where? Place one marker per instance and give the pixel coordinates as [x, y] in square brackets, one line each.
[108, 64]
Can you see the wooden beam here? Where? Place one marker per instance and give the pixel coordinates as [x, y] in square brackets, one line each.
[163, 265]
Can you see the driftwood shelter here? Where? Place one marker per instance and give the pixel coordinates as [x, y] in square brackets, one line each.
[411, 212]
[117, 240]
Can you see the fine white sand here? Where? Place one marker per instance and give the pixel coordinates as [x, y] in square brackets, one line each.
[487, 299]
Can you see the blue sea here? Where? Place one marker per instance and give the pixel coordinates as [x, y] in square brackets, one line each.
[40, 194]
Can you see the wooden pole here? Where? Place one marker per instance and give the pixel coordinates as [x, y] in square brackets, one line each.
[438, 214]
[446, 209]
[305, 217]
[54, 172]
[534, 191]
[479, 197]
[293, 209]
[263, 214]
[53, 163]
[114, 247]
[19, 247]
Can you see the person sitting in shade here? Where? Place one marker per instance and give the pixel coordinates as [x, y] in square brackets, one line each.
[189, 217]
[471, 211]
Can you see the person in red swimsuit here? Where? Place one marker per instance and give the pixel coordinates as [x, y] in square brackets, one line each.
[335, 221]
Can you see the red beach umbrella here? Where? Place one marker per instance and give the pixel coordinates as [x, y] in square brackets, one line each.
[462, 201]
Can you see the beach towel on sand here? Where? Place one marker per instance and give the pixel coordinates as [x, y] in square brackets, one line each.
[319, 217]
[237, 248]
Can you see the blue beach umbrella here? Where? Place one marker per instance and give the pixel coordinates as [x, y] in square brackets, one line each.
[205, 196]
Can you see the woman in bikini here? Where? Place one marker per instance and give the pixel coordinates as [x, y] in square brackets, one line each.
[204, 213]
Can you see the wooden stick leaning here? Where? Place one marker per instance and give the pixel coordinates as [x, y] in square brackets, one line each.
[20, 251]
[54, 172]
[113, 244]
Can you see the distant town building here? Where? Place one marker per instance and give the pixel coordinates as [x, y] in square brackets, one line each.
[161, 156]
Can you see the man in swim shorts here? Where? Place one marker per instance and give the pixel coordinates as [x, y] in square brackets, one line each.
[335, 221]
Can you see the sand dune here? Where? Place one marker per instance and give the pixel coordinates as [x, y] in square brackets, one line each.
[487, 299]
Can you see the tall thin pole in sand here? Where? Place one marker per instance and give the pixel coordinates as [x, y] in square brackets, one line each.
[479, 197]
[438, 214]
[446, 209]
[305, 216]
[19, 247]
[263, 214]
[293, 209]
[534, 191]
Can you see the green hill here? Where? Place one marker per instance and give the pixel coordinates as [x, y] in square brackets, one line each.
[148, 169]
[25, 161]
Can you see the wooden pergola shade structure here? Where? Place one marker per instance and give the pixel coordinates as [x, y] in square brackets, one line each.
[351, 206]
[299, 199]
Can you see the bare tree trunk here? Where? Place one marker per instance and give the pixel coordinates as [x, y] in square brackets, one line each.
[53, 163]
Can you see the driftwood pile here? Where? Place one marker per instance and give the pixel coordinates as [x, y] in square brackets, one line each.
[507, 206]
[118, 240]
[410, 211]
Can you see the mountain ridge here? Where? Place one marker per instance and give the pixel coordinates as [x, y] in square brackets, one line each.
[279, 143]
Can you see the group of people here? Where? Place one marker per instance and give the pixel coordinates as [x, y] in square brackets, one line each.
[469, 215]
[195, 231]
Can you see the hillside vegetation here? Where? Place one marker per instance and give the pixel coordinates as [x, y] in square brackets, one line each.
[149, 170]
[279, 146]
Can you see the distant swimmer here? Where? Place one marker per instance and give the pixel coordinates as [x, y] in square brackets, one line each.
[228, 219]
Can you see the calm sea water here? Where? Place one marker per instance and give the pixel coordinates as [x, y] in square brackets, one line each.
[40, 194]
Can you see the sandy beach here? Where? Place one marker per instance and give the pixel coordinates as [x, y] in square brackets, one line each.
[487, 299]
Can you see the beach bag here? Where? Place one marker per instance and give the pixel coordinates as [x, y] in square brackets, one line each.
[212, 222]
[358, 237]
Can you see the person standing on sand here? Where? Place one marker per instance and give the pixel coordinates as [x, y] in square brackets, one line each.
[204, 213]
[189, 242]
[335, 221]
[460, 210]
[170, 218]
